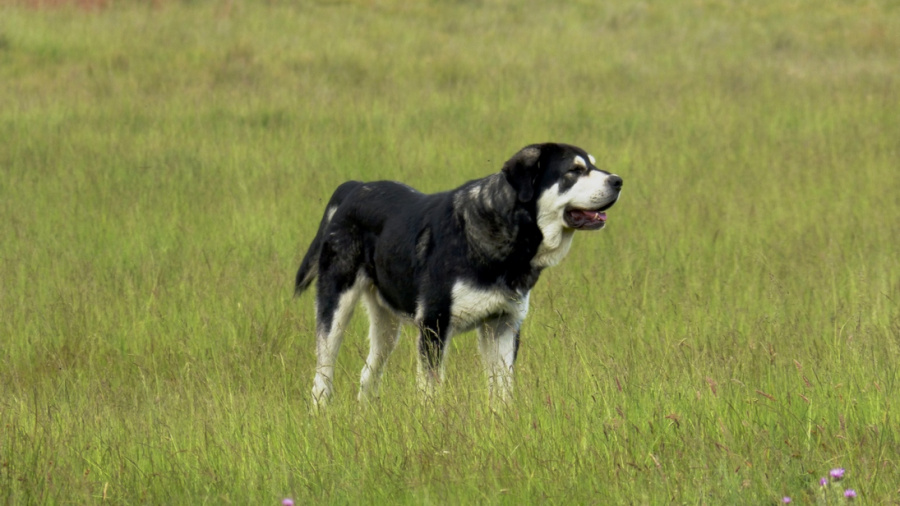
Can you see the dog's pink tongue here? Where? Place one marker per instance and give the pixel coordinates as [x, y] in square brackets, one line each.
[592, 215]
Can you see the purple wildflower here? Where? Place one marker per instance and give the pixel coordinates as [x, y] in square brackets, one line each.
[850, 493]
[785, 499]
[837, 473]
[823, 482]
[287, 502]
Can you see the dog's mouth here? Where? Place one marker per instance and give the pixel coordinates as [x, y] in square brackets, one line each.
[586, 219]
[581, 219]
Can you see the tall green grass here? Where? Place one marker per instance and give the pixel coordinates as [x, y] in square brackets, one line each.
[730, 336]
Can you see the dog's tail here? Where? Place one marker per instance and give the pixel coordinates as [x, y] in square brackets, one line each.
[309, 268]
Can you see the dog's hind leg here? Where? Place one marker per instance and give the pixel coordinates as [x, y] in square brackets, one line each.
[384, 332]
[335, 301]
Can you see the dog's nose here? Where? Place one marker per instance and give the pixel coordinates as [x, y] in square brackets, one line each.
[615, 182]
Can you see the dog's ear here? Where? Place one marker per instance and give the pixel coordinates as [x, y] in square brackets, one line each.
[522, 170]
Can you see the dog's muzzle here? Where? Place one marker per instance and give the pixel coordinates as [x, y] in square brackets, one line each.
[593, 219]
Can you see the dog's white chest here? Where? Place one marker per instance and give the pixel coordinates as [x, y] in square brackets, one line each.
[471, 304]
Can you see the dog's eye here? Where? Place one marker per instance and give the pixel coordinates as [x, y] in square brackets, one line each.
[578, 169]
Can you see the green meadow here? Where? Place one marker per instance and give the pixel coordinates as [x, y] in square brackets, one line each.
[731, 336]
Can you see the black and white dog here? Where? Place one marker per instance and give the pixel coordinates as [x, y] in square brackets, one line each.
[448, 262]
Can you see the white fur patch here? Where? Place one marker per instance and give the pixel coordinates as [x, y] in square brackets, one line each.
[330, 213]
[471, 304]
[420, 311]
[592, 159]
[579, 161]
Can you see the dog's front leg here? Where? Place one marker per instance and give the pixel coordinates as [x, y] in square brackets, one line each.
[498, 341]
[432, 343]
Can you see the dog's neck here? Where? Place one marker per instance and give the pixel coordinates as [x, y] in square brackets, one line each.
[557, 238]
[493, 220]
[483, 210]
[555, 247]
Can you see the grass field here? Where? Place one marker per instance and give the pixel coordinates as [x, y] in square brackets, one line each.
[731, 336]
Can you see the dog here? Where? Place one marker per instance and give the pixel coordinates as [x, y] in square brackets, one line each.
[448, 262]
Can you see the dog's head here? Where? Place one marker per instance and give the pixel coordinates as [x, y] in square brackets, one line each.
[565, 185]
[564, 190]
